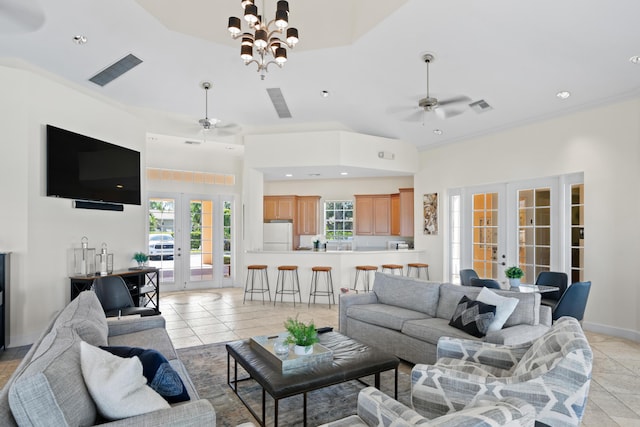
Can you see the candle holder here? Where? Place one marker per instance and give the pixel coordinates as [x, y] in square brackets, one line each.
[84, 259]
[104, 261]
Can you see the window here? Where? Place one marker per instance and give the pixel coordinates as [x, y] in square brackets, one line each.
[338, 219]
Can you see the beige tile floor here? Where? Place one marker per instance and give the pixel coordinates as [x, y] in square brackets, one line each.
[208, 316]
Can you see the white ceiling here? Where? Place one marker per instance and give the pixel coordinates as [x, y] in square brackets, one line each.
[515, 55]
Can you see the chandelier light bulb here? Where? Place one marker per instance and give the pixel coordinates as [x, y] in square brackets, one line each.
[292, 36]
[246, 3]
[251, 14]
[261, 39]
[234, 26]
[281, 55]
[282, 19]
[246, 52]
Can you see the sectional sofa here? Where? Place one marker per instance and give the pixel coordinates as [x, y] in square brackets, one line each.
[48, 387]
[407, 316]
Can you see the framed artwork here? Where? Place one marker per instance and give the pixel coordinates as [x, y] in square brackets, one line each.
[430, 208]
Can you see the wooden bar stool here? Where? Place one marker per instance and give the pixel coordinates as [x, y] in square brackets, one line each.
[314, 284]
[283, 272]
[419, 266]
[365, 269]
[251, 288]
[393, 268]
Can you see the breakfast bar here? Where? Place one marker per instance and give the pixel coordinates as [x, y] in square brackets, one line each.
[342, 263]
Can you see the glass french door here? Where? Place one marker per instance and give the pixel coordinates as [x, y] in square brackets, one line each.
[196, 240]
[512, 224]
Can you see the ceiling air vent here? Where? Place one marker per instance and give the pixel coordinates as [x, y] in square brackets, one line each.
[480, 106]
[114, 71]
[279, 103]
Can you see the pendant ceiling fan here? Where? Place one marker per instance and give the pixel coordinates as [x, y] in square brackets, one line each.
[207, 124]
[441, 108]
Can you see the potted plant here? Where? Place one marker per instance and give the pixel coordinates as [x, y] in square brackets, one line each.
[301, 335]
[514, 274]
[140, 258]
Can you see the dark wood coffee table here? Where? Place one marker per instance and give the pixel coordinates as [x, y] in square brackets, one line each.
[351, 361]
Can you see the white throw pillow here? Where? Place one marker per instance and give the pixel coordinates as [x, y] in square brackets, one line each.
[504, 307]
[117, 385]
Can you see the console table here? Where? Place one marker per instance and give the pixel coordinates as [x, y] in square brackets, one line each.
[143, 284]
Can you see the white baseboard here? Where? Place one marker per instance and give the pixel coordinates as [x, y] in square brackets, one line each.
[611, 330]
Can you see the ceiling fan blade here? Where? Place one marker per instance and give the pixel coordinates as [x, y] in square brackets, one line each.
[447, 113]
[462, 99]
[415, 116]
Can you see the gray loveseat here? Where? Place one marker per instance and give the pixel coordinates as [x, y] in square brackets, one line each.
[407, 316]
[48, 388]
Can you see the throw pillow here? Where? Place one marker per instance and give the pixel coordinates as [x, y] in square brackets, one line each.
[473, 317]
[117, 385]
[157, 370]
[504, 307]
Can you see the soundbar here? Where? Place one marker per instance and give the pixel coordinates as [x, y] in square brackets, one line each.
[85, 204]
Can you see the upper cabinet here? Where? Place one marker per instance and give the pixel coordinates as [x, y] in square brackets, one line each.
[373, 214]
[385, 214]
[279, 208]
[308, 207]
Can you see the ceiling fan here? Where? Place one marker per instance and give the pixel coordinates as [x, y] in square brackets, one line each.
[211, 124]
[443, 108]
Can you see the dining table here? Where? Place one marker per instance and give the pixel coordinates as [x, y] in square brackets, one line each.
[529, 288]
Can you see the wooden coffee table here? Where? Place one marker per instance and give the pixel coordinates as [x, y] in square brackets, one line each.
[351, 361]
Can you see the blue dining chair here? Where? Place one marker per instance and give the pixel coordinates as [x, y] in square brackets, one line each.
[466, 275]
[485, 283]
[573, 301]
[552, 278]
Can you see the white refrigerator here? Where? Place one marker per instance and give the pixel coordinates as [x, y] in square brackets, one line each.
[277, 236]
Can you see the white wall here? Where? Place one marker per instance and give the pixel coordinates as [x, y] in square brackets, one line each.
[604, 143]
[40, 230]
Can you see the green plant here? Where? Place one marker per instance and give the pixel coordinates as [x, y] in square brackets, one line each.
[299, 333]
[514, 272]
[140, 257]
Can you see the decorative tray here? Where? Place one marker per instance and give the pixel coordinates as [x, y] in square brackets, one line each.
[263, 345]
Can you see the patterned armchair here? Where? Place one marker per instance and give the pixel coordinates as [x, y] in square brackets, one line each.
[376, 409]
[552, 373]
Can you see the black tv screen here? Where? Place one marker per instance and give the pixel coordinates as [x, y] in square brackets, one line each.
[85, 168]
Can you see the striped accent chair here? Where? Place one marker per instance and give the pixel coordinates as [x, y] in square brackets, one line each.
[376, 409]
[552, 373]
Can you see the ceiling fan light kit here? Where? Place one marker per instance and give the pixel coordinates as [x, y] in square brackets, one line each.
[264, 36]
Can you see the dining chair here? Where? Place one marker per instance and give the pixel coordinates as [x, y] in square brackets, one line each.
[466, 275]
[485, 283]
[552, 278]
[115, 298]
[573, 302]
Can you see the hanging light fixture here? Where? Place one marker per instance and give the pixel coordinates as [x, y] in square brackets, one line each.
[262, 44]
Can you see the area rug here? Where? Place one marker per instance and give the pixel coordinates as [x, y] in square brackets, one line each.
[207, 367]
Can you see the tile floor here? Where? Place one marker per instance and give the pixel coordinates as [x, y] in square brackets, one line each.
[207, 316]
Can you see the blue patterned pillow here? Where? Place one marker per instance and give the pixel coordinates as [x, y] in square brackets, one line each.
[156, 369]
[473, 317]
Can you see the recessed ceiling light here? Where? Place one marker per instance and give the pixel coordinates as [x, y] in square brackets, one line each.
[314, 174]
[79, 39]
[324, 94]
[437, 131]
[288, 175]
[563, 94]
[344, 173]
[635, 59]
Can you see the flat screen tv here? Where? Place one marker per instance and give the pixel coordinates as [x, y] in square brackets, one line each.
[84, 168]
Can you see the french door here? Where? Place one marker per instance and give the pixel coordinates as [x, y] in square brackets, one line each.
[494, 227]
[195, 234]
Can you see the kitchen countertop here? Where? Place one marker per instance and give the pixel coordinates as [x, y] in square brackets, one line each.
[350, 251]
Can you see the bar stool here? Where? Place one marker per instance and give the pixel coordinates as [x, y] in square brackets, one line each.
[314, 284]
[250, 288]
[393, 268]
[365, 279]
[419, 266]
[292, 271]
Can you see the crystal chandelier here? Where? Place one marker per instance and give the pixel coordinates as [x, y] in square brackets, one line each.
[264, 36]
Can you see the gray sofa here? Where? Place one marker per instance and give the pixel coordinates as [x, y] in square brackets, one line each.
[406, 316]
[48, 388]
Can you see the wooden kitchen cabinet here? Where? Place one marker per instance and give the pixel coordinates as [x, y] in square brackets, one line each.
[395, 214]
[279, 208]
[308, 207]
[406, 212]
[373, 215]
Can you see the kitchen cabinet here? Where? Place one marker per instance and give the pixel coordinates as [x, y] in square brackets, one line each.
[373, 214]
[279, 208]
[402, 213]
[307, 223]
